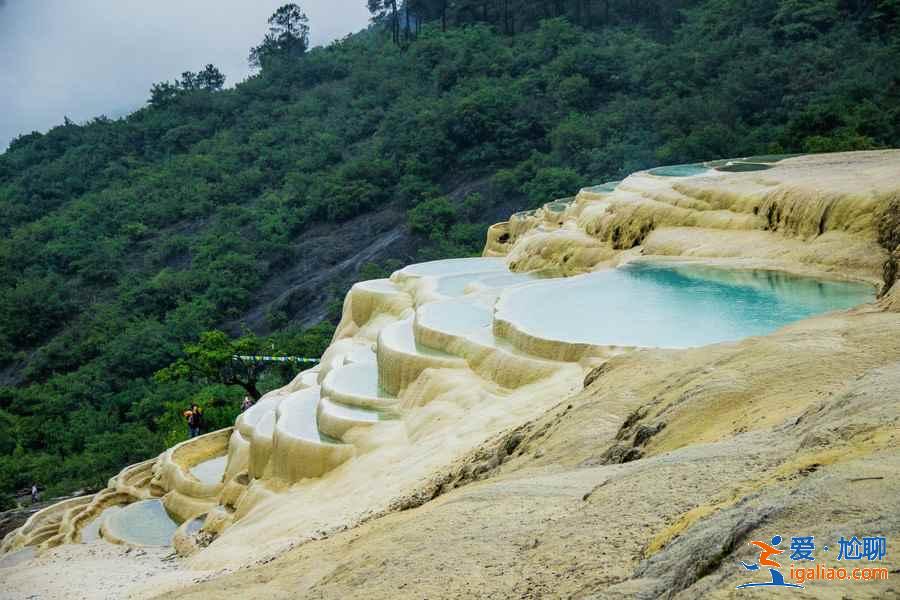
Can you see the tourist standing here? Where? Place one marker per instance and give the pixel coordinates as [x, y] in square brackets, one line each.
[194, 417]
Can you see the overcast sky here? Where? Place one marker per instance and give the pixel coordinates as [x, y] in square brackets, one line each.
[84, 58]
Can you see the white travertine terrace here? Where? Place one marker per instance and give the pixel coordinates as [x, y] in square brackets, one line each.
[430, 336]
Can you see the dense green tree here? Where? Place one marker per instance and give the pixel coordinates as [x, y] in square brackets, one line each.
[287, 38]
[210, 79]
[433, 217]
[216, 358]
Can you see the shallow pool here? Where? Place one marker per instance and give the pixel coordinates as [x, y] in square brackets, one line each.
[91, 531]
[400, 337]
[558, 206]
[455, 318]
[458, 285]
[144, 523]
[654, 305]
[297, 415]
[609, 186]
[358, 379]
[210, 471]
[195, 525]
[454, 266]
[353, 413]
[679, 170]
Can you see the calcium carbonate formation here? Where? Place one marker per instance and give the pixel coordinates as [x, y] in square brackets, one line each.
[558, 291]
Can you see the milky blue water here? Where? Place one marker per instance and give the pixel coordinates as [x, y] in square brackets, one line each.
[737, 165]
[456, 285]
[455, 266]
[679, 170]
[358, 379]
[144, 523]
[400, 337]
[297, 415]
[210, 471]
[609, 186]
[195, 525]
[654, 305]
[558, 206]
[455, 318]
[352, 413]
[91, 531]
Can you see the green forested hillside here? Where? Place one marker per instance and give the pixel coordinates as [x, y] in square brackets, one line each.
[124, 239]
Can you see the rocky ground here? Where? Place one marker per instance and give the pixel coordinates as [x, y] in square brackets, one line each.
[95, 571]
[650, 483]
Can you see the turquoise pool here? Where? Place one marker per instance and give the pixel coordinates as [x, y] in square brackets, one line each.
[656, 305]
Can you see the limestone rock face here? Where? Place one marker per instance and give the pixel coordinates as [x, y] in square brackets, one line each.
[570, 464]
[835, 213]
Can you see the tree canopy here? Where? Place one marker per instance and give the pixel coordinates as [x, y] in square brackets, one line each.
[287, 38]
[216, 358]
